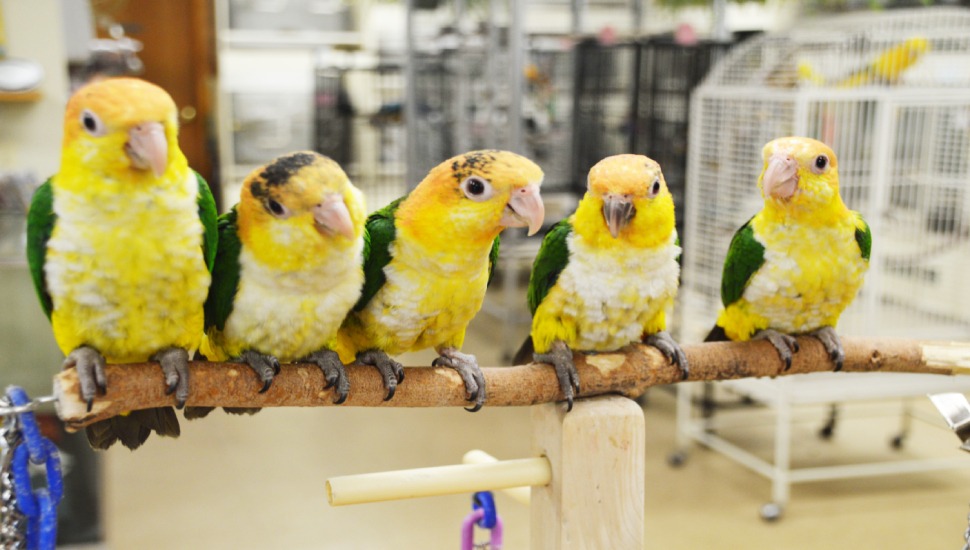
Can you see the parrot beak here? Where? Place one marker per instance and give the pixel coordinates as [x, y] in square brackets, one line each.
[618, 210]
[332, 217]
[525, 209]
[147, 147]
[780, 179]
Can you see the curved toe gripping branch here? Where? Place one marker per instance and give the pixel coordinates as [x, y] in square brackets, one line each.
[629, 372]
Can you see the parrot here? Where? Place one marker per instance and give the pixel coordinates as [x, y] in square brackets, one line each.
[120, 245]
[428, 258]
[608, 274]
[288, 269]
[886, 68]
[799, 262]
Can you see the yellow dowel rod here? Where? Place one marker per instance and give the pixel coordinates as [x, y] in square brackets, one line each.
[438, 480]
[477, 456]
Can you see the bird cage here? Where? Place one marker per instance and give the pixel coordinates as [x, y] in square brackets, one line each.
[890, 93]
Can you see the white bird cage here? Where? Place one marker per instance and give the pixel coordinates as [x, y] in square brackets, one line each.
[900, 127]
[902, 137]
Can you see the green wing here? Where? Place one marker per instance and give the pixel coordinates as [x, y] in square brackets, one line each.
[492, 259]
[550, 261]
[225, 272]
[745, 256]
[209, 216]
[864, 237]
[379, 233]
[40, 225]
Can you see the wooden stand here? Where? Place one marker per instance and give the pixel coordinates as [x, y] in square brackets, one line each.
[597, 454]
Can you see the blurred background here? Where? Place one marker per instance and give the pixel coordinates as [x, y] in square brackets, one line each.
[390, 89]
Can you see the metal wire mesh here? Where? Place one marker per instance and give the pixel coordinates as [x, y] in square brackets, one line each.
[902, 136]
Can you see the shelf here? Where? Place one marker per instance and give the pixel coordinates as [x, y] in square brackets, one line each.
[246, 38]
[20, 97]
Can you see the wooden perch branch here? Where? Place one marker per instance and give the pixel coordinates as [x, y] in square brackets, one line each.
[629, 372]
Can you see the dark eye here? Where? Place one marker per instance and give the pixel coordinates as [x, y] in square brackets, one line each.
[276, 208]
[476, 188]
[92, 124]
[655, 188]
[821, 162]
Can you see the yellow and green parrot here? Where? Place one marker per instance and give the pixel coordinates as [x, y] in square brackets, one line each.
[429, 257]
[288, 269]
[799, 262]
[607, 275]
[887, 68]
[120, 244]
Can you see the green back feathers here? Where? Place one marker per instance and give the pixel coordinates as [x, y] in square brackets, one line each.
[550, 261]
[208, 215]
[492, 259]
[40, 225]
[225, 272]
[379, 233]
[745, 256]
[864, 237]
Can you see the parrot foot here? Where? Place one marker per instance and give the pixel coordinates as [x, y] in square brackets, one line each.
[561, 357]
[89, 364]
[467, 367]
[784, 343]
[833, 345]
[671, 350]
[391, 370]
[266, 366]
[175, 367]
[333, 372]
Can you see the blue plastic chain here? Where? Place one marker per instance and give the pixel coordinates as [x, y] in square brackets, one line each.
[485, 501]
[40, 505]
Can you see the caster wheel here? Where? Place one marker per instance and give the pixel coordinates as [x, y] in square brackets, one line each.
[677, 459]
[771, 512]
[897, 442]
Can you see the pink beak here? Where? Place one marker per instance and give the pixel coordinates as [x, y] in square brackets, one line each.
[147, 147]
[525, 209]
[332, 217]
[780, 179]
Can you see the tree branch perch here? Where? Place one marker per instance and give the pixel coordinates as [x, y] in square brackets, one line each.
[629, 372]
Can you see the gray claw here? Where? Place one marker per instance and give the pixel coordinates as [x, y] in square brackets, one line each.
[264, 365]
[467, 367]
[334, 373]
[175, 367]
[784, 343]
[391, 371]
[561, 357]
[833, 345]
[89, 364]
[671, 350]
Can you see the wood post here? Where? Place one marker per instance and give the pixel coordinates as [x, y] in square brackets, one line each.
[597, 455]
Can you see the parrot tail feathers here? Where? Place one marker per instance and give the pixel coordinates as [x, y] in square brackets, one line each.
[133, 428]
[525, 353]
[717, 334]
[195, 413]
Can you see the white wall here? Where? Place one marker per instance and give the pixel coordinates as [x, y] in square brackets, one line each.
[30, 133]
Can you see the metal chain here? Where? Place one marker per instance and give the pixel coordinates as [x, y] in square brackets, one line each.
[38, 508]
[13, 523]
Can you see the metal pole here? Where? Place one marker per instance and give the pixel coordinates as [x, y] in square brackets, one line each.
[516, 78]
[411, 101]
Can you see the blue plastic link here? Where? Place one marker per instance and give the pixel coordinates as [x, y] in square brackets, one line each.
[40, 506]
[485, 501]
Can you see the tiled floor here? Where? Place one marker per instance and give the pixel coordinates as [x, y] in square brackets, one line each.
[259, 482]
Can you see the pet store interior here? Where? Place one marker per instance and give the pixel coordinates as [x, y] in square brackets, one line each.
[743, 453]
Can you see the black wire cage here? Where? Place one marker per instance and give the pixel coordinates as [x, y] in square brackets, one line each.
[634, 97]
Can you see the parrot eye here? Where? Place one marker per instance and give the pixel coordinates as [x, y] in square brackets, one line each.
[655, 188]
[821, 163]
[477, 189]
[276, 208]
[92, 124]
